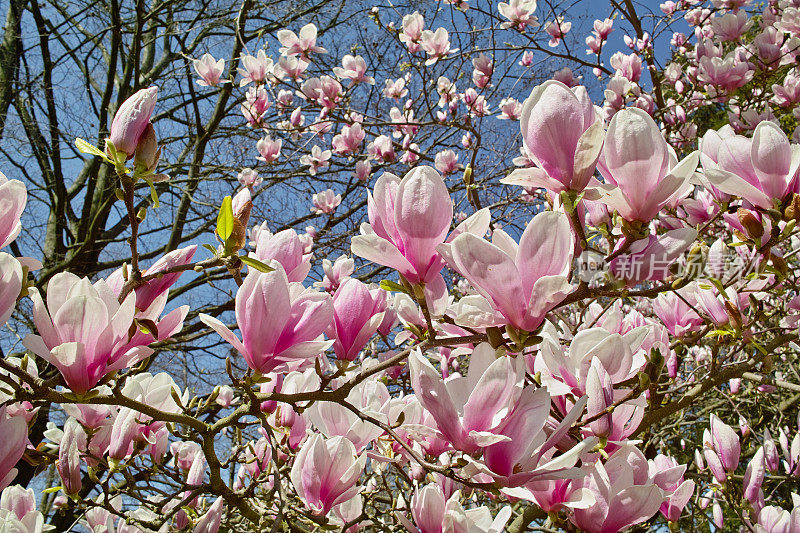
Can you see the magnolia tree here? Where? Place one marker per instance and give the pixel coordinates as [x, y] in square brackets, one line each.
[571, 303]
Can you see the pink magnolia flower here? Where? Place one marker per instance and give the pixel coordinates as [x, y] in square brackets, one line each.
[641, 171]
[413, 25]
[434, 512]
[651, 258]
[637, 44]
[767, 47]
[256, 105]
[712, 303]
[469, 410]
[69, 456]
[225, 396]
[565, 161]
[594, 45]
[325, 472]
[395, 89]
[348, 140]
[436, 45]
[249, 177]
[519, 14]
[157, 287]
[363, 170]
[408, 218]
[483, 69]
[411, 156]
[303, 44]
[668, 475]
[131, 427]
[280, 321]
[325, 91]
[209, 70]
[567, 371]
[510, 109]
[183, 453]
[285, 98]
[10, 285]
[211, 520]
[788, 93]
[404, 123]
[527, 452]
[293, 67]
[325, 202]
[773, 519]
[448, 94]
[600, 396]
[257, 455]
[724, 442]
[336, 272]
[83, 330]
[19, 501]
[628, 66]
[286, 248]
[317, 159]
[701, 208]
[446, 162]
[476, 104]
[603, 28]
[357, 313]
[760, 170]
[676, 314]
[131, 120]
[789, 21]
[12, 447]
[724, 75]
[754, 478]
[557, 29]
[566, 76]
[624, 493]
[255, 68]
[334, 419]
[270, 150]
[731, 26]
[13, 197]
[354, 69]
[521, 283]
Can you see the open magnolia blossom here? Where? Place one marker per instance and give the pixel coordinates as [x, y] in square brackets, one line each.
[521, 282]
[489, 286]
[563, 162]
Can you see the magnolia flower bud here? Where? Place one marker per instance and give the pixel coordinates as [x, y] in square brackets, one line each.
[242, 205]
[771, 457]
[148, 152]
[716, 512]
[69, 456]
[754, 476]
[131, 120]
[792, 211]
[209, 522]
[750, 223]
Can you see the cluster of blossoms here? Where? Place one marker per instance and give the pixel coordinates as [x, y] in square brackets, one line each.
[483, 377]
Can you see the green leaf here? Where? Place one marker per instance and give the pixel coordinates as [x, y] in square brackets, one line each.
[153, 193]
[225, 219]
[85, 148]
[52, 490]
[210, 249]
[255, 263]
[718, 284]
[389, 286]
[759, 348]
